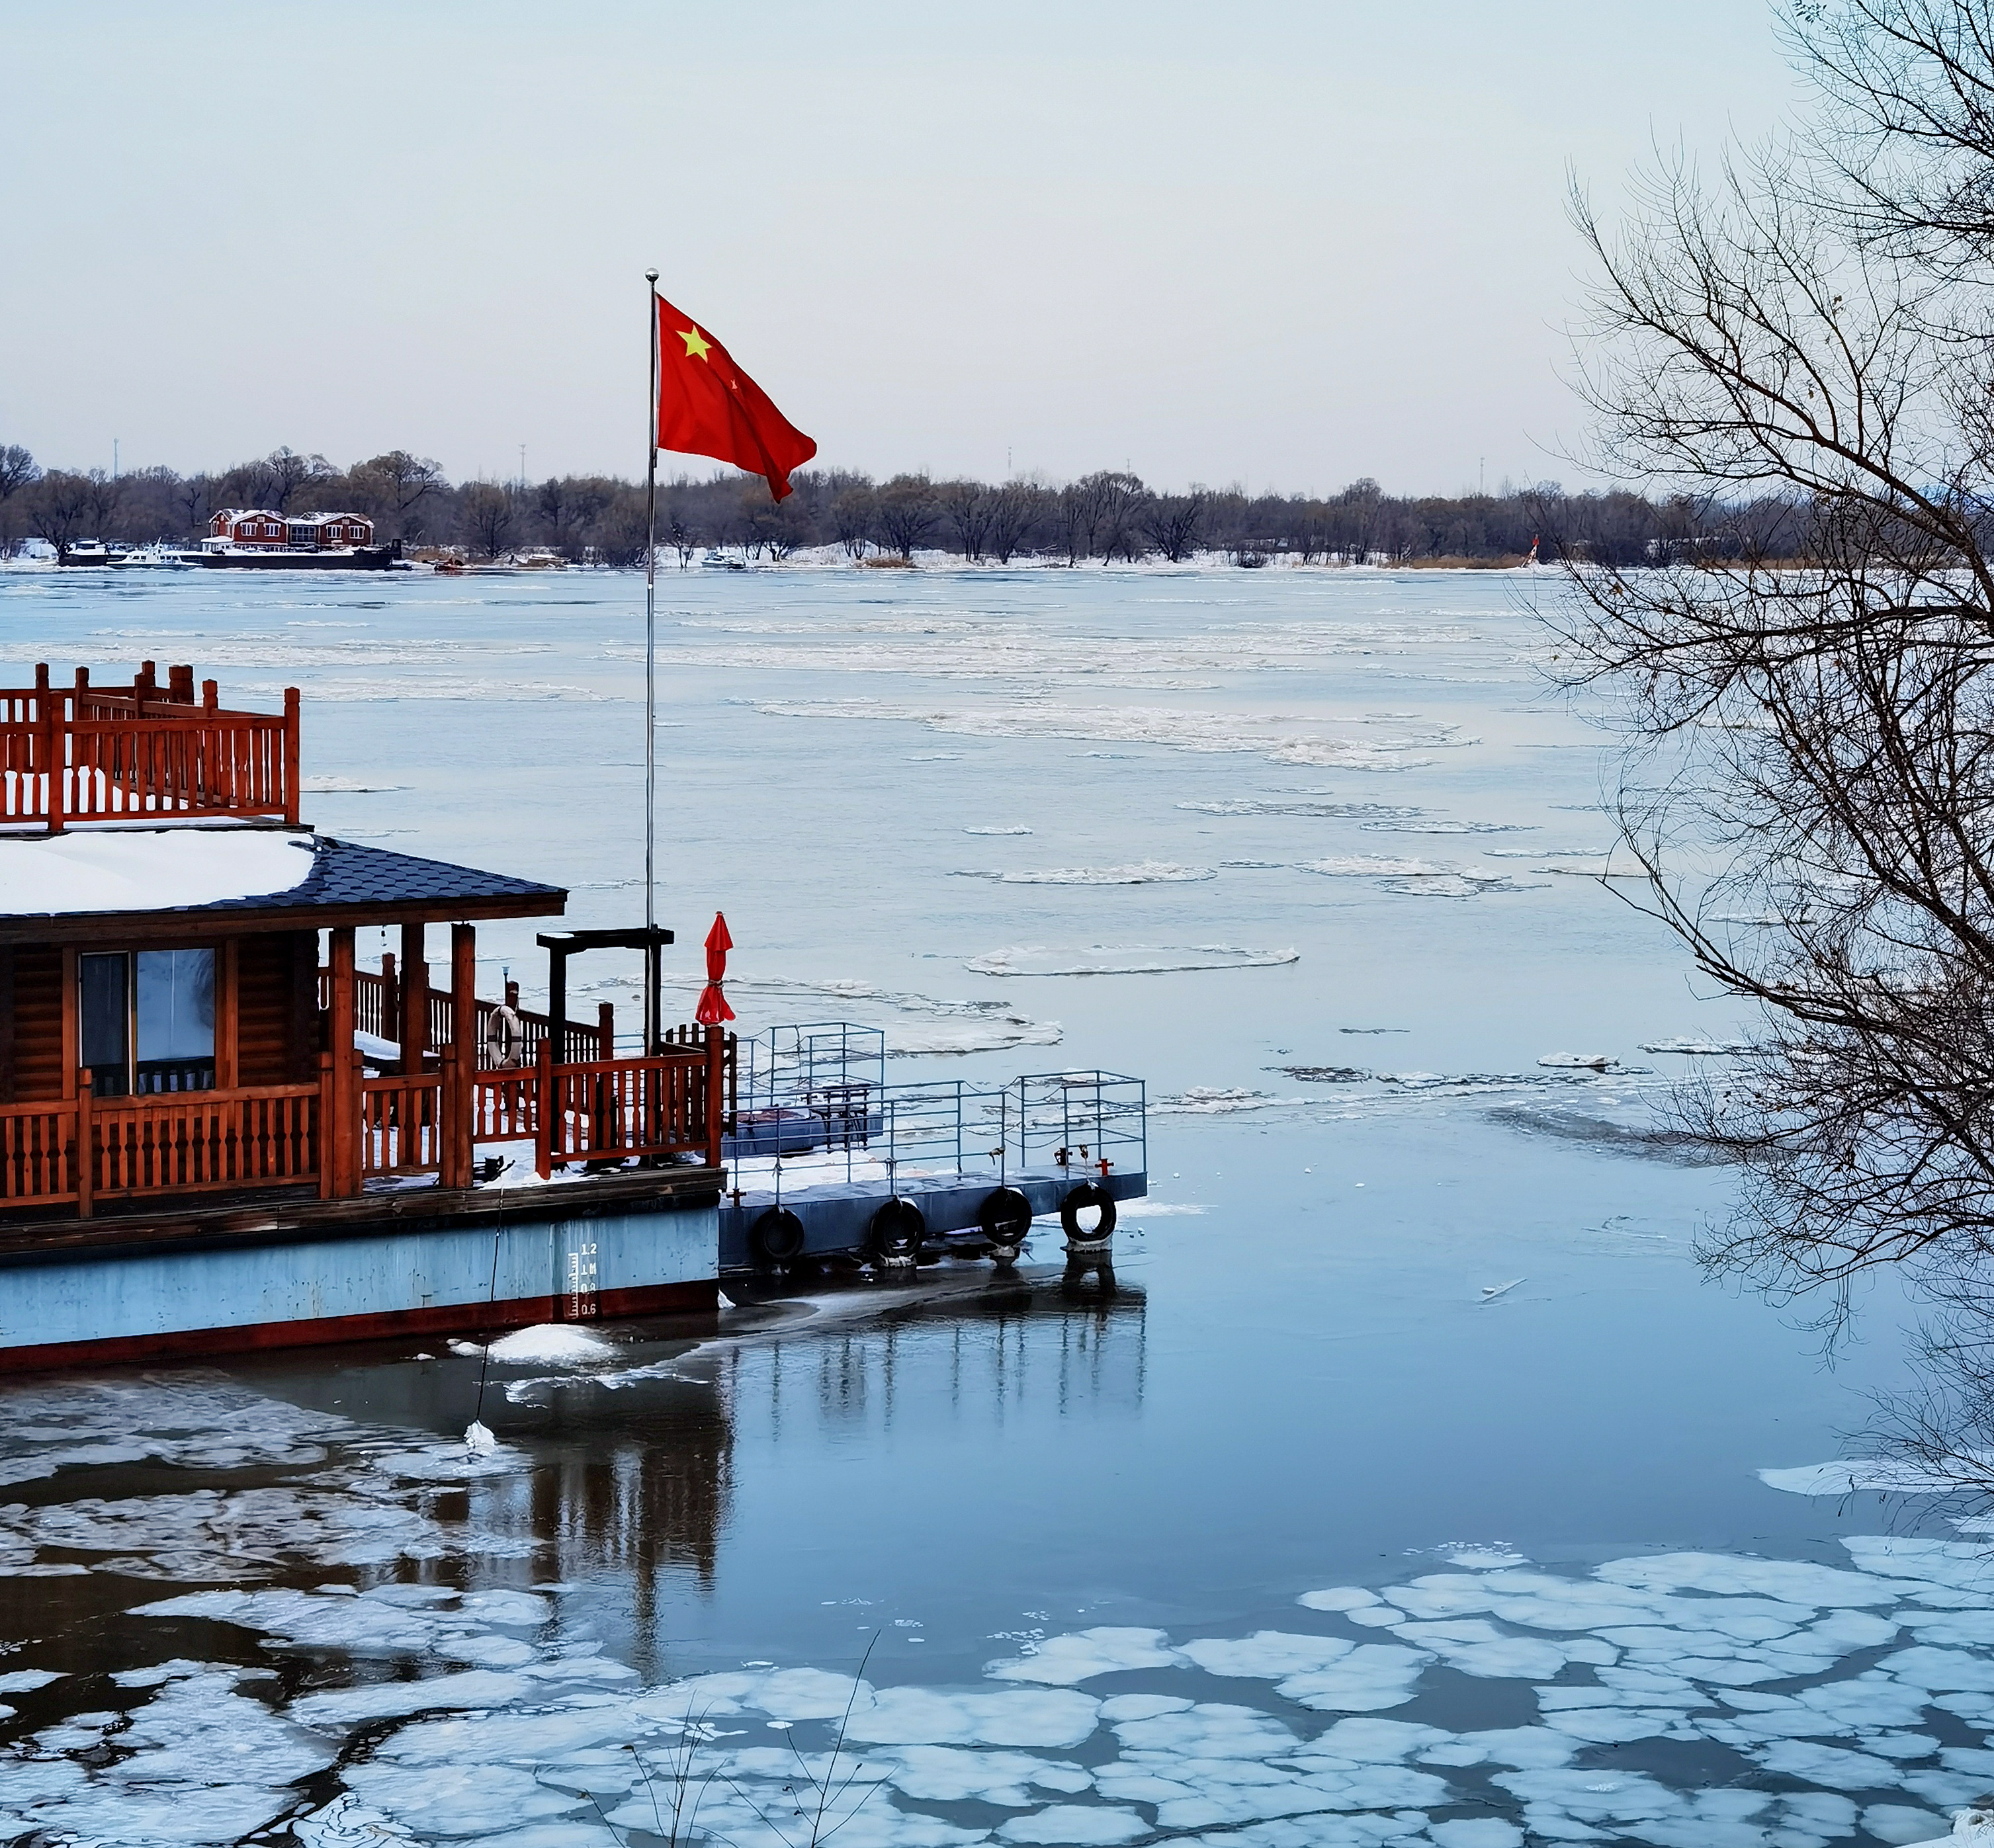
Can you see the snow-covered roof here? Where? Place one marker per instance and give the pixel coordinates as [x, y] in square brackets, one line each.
[241, 870]
[150, 869]
[248, 513]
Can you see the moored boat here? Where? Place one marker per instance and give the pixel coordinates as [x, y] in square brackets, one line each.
[211, 1139]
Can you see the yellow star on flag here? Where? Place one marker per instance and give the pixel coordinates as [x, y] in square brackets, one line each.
[697, 346]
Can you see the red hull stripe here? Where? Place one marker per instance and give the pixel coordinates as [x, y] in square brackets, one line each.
[201, 1343]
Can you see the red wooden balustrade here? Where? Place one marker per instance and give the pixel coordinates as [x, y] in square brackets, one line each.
[401, 1125]
[346, 1130]
[85, 753]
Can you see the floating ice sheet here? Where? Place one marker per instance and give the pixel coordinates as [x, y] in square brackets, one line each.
[1126, 959]
[1140, 872]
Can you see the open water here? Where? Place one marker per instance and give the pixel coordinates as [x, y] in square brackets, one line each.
[1406, 1490]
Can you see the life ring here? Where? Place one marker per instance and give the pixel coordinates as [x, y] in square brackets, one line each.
[505, 1035]
[1004, 1216]
[776, 1237]
[1088, 1193]
[898, 1229]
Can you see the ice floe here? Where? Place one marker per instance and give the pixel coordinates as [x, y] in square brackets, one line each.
[1141, 872]
[1125, 960]
[468, 1711]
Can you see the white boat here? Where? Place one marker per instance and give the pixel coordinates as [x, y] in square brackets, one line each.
[158, 557]
[717, 560]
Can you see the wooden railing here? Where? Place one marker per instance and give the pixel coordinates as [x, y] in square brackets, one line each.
[37, 1154]
[346, 1130]
[193, 1141]
[92, 754]
[86, 1148]
[401, 1123]
[610, 1109]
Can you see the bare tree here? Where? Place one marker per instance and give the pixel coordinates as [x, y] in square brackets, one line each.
[59, 507]
[1114, 502]
[968, 508]
[1810, 789]
[17, 469]
[193, 501]
[489, 513]
[287, 475]
[905, 512]
[1172, 522]
[1016, 509]
[396, 485]
[853, 512]
[103, 495]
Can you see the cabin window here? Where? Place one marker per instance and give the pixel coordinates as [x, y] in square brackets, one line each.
[145, 1020]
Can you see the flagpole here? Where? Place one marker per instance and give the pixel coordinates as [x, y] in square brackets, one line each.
[652, 1003]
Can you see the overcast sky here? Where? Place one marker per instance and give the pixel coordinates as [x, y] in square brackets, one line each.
[1286, 243]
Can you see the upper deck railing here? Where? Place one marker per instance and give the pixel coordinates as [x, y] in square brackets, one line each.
[85, 753]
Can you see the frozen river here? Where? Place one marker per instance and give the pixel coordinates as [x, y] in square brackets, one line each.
[1407, 1490]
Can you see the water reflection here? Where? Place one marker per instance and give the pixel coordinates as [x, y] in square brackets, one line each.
[1016, 1349]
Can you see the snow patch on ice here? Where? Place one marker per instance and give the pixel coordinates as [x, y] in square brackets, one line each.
[552, 1344]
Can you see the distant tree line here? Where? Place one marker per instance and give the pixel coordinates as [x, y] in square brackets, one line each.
[1111, 516]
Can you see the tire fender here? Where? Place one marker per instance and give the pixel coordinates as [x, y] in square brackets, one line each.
[1088, 1193]
[898, 1229]
[776, 1237]
[1004, 1217]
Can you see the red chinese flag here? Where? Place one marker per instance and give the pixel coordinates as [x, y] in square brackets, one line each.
[708, 407]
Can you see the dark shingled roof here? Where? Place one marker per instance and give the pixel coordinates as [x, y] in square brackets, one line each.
[345, 872]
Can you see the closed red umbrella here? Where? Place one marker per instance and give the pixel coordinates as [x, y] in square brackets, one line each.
[713, 1008]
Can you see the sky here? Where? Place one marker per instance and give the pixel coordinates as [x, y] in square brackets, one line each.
[1280, 245]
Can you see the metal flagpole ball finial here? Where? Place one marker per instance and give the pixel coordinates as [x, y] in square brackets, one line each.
[650, 275]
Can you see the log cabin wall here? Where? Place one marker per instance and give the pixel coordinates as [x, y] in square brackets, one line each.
[37, 1039]
[272, 1045]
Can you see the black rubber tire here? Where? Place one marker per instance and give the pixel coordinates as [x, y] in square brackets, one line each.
[1088, 1193]
[776, 1237]
[898, 1229]
[1004, 1217]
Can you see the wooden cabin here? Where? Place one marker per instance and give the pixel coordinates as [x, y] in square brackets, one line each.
[183, 1024]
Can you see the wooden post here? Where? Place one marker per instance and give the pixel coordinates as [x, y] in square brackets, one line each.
[328, 1108]
[464, 1051]
[391, 995]
[179, 685]
[605, 1030]
[344, 1136]
[544, 1125]
[53, 744]
[412, 1028]
[291, 755]
[716, 1094]
[86, 1145]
